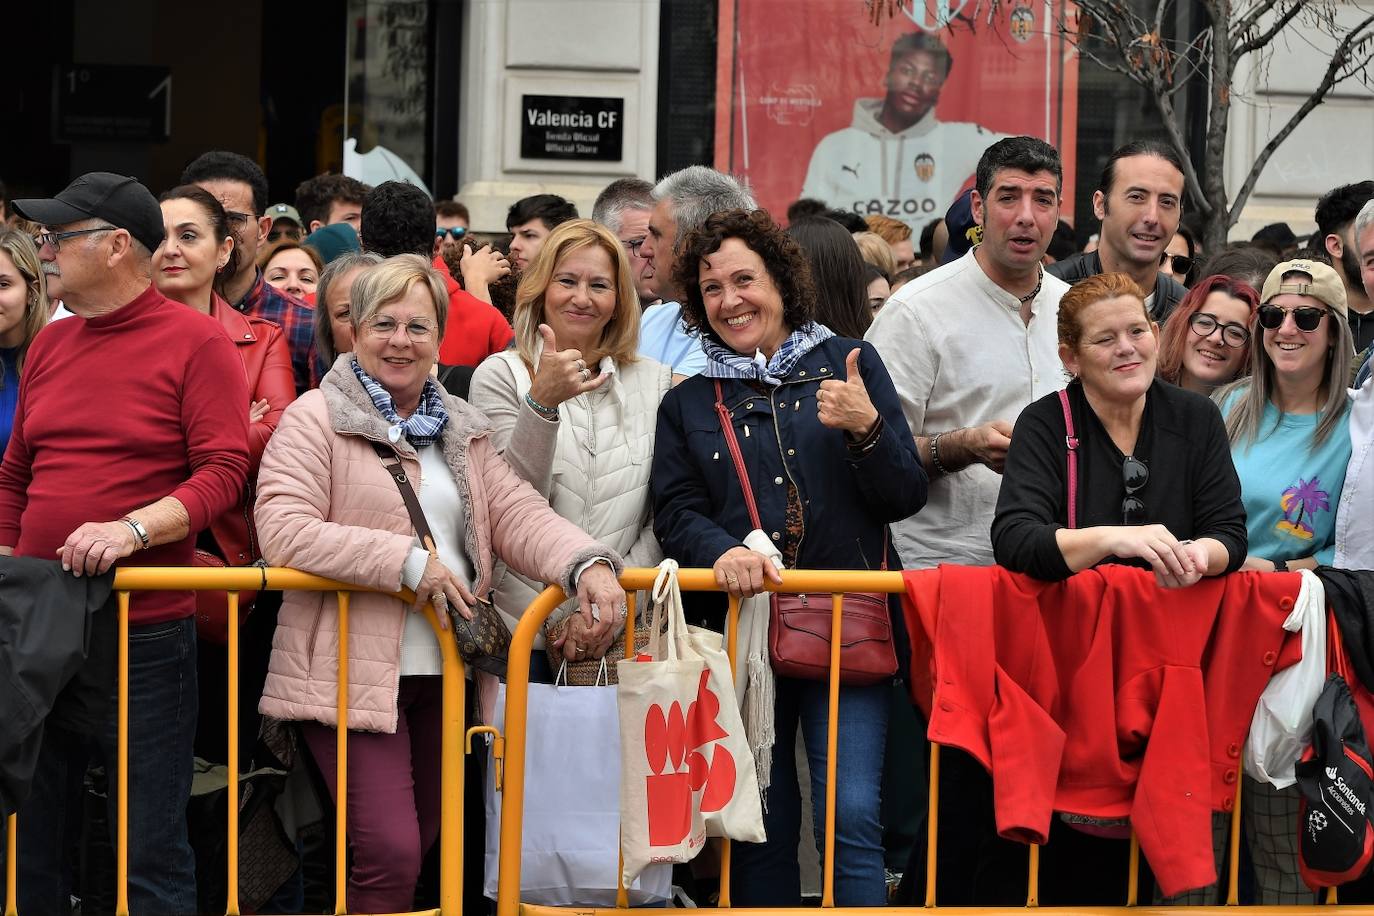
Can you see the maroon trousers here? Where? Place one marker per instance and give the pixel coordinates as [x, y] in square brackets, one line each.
[393, 796]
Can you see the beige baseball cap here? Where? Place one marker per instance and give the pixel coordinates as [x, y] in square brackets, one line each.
[1323, 283]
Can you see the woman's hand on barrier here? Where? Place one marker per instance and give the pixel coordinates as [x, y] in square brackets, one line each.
[600, 603]
[741, 571]
[96, 546]
[562, 374]
[444, 589]
[1174, 565]
[845, 404]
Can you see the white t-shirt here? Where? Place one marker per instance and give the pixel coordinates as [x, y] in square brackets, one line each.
[447, 517]
[960, 355]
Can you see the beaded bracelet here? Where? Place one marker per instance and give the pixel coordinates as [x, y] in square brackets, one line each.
[548, 413]
[935, 454]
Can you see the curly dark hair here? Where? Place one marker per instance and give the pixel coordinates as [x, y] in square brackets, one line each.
[782, 257]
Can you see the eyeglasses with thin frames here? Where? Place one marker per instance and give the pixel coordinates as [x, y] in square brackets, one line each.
[1134, 474]
[55, 239]
[1233, 335]
[635, 244]
[417, 329]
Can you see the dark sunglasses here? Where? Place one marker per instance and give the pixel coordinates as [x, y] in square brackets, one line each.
[1181, 263]
[1306, 317]
[456, 231]
[1233, 335]
[1134, 474]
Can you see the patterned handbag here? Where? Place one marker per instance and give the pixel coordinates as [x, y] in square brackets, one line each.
[483, 641]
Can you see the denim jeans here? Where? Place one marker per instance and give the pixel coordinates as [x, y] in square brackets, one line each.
[767, 874]
[162, 725]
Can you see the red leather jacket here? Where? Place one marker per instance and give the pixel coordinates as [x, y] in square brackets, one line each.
[1101, 694]
[267, 364]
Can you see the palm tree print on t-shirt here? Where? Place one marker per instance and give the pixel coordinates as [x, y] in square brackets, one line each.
[1300, 503]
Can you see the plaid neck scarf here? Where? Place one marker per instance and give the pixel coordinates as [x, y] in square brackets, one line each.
[421, 428]
[722, 362]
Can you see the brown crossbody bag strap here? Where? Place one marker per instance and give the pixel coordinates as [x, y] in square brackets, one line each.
[484, 641]
[392, 462]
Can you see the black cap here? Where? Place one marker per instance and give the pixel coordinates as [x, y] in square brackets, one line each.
[120, 201]
[1278, 234]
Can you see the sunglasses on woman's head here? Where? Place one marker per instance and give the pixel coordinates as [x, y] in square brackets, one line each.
[1306, 317]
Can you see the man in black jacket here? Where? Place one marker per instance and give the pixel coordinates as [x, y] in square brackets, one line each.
[1140, 202]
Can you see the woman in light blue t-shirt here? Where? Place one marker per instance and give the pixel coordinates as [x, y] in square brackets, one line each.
[1289, 421]
[1289, 429]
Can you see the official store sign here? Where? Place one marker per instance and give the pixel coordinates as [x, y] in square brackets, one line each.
[572, 127]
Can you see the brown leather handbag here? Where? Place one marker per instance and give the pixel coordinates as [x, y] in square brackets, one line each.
[799, 633]
[484, 641]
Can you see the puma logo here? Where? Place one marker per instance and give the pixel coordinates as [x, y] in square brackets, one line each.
[852, 169]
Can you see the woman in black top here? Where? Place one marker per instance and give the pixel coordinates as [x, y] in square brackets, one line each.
[1156, 486]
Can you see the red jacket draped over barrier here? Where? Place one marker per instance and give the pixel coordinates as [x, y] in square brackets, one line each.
[1101, 695]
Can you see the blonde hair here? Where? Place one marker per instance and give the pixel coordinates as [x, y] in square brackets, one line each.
[876, 251]
[22, 251]
[391, 280]
[620, 337]
[888, 229]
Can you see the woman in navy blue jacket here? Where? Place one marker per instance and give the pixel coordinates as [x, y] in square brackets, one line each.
[831, 461]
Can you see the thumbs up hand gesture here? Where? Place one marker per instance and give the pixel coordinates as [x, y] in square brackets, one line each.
[561, 374]
[845, 404]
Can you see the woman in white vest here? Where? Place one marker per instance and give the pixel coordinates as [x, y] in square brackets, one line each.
[574, 409]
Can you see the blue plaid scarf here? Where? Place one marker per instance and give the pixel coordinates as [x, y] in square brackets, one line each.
[421, 428]
[722, 362]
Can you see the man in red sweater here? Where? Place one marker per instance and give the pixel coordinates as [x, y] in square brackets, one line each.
[131, 433]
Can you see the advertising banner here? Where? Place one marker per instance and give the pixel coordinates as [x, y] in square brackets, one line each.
[888, 110]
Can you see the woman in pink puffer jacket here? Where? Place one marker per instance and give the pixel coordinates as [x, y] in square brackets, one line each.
[326, 505]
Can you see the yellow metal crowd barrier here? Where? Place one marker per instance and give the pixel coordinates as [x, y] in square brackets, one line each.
[509, 750]
[256, 579]
[810, 582]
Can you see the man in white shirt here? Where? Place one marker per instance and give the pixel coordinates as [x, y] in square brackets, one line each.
[970, 344]
[1354, 522]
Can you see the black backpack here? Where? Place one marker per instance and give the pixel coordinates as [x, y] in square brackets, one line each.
[1336, 778]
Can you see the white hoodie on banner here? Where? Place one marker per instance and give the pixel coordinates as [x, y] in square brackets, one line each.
[913, 176]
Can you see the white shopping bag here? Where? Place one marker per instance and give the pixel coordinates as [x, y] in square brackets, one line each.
[570, 840]
[1282, 725]
[687, 770]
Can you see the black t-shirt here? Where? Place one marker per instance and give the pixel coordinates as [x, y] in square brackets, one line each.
[1192, 488]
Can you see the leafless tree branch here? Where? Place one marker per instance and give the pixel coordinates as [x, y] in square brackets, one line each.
[1268, 35]
[1344, 64]
[1242, 26]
